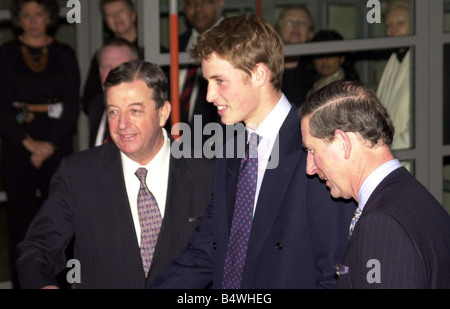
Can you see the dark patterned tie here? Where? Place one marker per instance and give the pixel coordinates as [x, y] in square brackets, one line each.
[185, 96]
[354, 220]
[242, 217]
[149, 220]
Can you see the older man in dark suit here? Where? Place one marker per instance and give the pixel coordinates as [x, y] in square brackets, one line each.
[102, 198]
[400, 233]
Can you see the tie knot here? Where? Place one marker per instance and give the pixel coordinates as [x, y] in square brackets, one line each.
[253, 142]
[141, 173]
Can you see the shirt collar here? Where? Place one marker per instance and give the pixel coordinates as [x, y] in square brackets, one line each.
[374, 179]
[160, 158]
[270, 126]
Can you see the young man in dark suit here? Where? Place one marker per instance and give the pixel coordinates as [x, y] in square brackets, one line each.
[401, 239]
[294, 233]
[96, 196]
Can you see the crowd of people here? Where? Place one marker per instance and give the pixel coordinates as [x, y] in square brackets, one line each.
[136, 216]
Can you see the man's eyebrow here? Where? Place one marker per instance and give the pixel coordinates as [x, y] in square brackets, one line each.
[131, 104]
[217, 76]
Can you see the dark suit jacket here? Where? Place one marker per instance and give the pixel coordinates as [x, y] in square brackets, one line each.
[96, 109]
[298, 233]
[88, 200]
[407, 231]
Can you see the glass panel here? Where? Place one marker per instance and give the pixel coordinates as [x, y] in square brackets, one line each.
[390, 74]
[353, 19]
[446, 94]
[447, 15]
[4, 4]
[209, 8]
[66, 33]
[446, 184]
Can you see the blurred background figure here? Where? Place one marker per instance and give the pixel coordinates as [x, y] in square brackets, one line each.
[200, 15]
[121, 20]
[295, 25]
[331, 67]
[394, 88]
[39, 102]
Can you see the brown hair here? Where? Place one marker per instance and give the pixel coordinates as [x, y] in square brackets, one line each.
[244, 41]
[150, 73]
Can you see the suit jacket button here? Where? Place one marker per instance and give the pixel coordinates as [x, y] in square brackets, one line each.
[279, 246]
[214, 246]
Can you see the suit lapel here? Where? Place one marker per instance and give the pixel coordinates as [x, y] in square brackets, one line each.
[113, 185]
[274, 186]
[178, 193]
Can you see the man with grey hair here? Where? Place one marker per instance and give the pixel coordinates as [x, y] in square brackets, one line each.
[102, 197]
[400, 233]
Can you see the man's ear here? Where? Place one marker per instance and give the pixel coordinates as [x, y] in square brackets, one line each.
[343, 138]
[261, 74]
[164, 113]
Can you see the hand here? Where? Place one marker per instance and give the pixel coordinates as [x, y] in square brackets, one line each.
[40, 151]
[50, 287]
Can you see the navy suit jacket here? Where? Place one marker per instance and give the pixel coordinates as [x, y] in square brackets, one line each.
[298, 232]
[406, 231]
[88, 200]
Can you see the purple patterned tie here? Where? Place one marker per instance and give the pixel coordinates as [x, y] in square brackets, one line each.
[149, 220]
[242, 217]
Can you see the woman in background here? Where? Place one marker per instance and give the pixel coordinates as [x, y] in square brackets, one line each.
[331, 67]
[39, 107]
[295, 25]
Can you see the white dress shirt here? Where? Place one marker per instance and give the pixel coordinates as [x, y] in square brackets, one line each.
[157, 180]
[268, 130]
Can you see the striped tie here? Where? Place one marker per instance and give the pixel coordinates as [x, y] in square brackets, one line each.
[149, 220]
[185, 97]
[354, 220]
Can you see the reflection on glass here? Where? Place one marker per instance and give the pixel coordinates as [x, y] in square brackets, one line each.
[446, 184]
[341, 17]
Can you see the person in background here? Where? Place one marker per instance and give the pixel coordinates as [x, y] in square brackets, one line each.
[39, 102]
[114, 52]
[268, 225]
[295, 25]
[399, 237]
[120, 18]
[129, 205]
[331, 67]
[394, 88]
[200, 16]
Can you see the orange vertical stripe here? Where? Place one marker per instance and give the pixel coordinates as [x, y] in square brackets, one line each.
[174, 69]
[258, 7]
